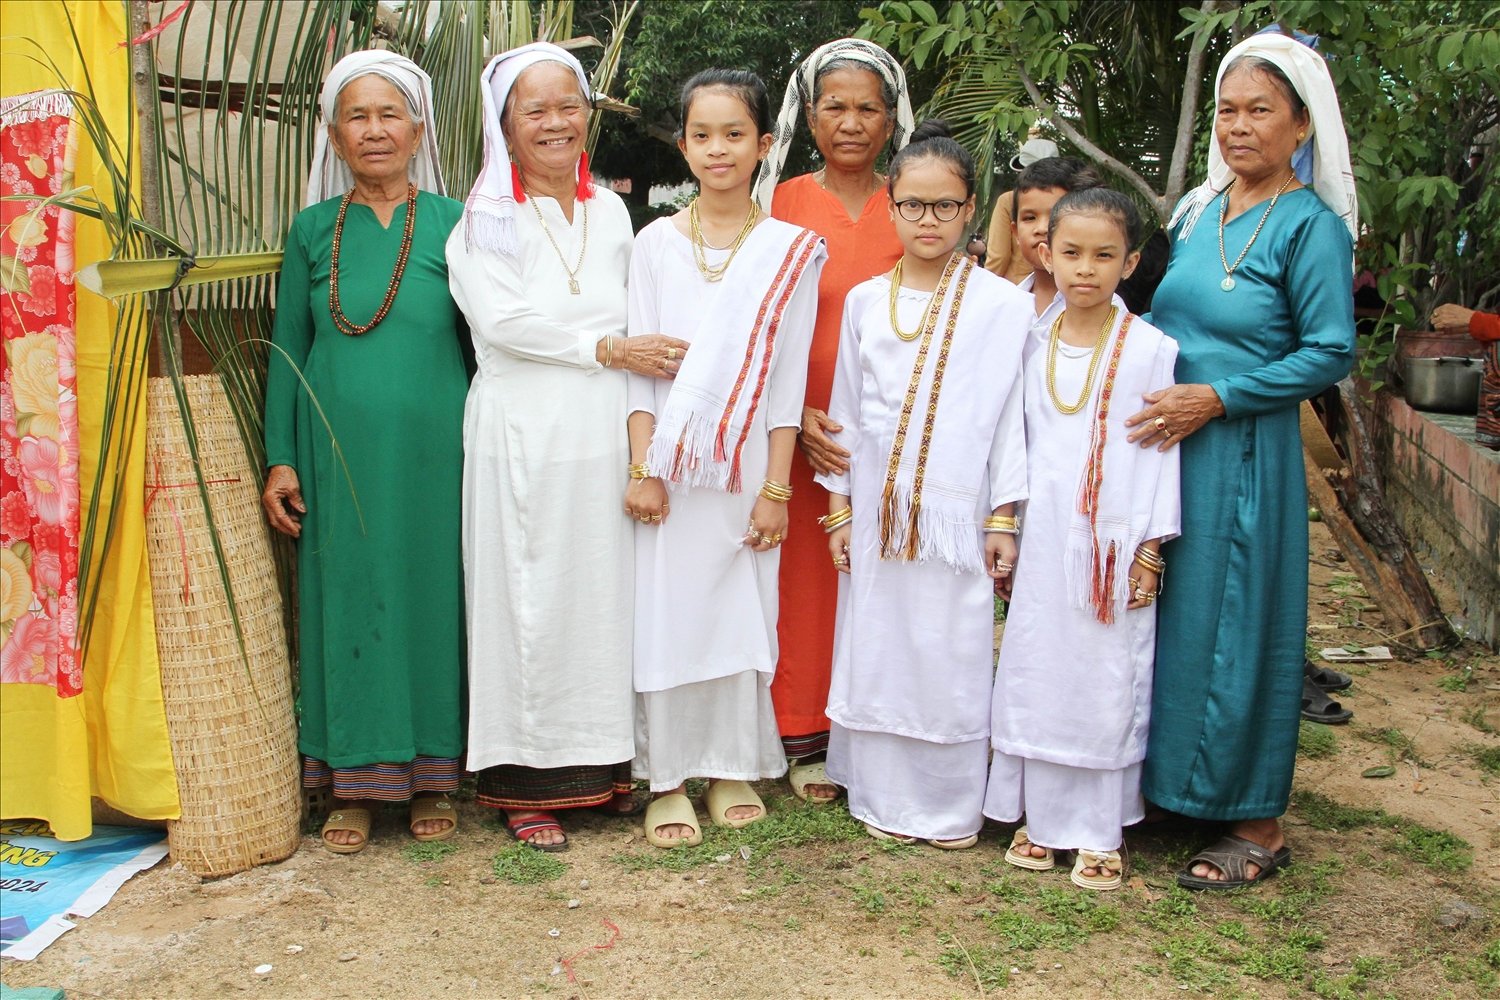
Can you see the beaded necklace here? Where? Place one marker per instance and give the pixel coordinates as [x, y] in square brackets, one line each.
[344, 323]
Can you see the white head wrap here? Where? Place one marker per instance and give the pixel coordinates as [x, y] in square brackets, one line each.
[1332, 175]
[799, 93]
[330, 176]
[490, 210]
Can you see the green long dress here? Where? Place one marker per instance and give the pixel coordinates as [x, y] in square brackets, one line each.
[1233, 613]
[379, 574]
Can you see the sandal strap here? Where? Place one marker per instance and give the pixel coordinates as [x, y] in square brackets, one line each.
[525, 829]
[1101, 859]
[1231, 854]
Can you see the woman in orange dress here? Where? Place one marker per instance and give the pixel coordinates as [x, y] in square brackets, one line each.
[853, 95]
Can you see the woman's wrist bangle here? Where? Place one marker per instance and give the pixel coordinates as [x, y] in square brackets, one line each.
[1150, 560]
[775, 492]
[639, 471]
[839, 518]
[1002, 525]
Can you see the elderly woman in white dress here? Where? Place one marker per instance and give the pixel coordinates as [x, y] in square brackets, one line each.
[538, 266]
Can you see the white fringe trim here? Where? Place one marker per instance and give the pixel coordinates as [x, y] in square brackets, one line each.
[495, 233]
[1078, 565]
[955, 540]
[696, 435]
[36, 106]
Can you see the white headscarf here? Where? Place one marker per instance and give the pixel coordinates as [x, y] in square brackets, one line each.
[799, 93]
[490, 210]
[330, 176]
[1332, 175]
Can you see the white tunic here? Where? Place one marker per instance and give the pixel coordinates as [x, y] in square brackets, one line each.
[913, 644]
[706, 603]
[547, 546]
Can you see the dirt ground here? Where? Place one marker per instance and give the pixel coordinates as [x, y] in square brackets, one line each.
[805, 905]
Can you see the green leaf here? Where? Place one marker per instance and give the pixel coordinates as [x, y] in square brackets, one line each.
[1383, 771]
[14, 278]
[924, 10]
[1449, 48]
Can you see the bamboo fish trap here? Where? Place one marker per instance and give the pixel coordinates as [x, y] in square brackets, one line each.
[229, 713]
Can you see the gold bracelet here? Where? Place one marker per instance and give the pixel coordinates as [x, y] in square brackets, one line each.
[641, 471]
[775, 492]
[609, 352]
[1002, 524]
[1150, 560]
[839, 518]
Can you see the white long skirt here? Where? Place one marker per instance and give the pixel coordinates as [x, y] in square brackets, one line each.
[1066, 808]
[933, 791]
[722, 728]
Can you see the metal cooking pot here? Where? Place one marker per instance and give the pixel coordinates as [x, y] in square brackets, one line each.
[1447, 385]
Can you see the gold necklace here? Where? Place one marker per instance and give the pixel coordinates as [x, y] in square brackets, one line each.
[582, 249]
[715, 272]
[926, 313]
[1088, 381]
[1228, 283]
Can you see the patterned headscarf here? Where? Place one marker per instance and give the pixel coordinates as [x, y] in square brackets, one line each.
[330, 176]
[1332, 174]
[799, 94]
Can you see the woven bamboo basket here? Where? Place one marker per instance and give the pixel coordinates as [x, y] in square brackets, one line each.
[229, 712]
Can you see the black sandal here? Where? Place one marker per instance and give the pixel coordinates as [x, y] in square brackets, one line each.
[1328, 680]
[1318, 707]
[1231, 855]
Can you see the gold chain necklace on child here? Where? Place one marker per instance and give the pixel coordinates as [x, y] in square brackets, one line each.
[926, 313]
[1228, 283]
[1088, 381]
[583, 247]
[715, 272]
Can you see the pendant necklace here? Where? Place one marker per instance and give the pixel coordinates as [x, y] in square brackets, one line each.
[583, 247]
[1228, 283]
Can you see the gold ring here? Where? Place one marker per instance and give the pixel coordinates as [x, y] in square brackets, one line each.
[655, 517]
[644, 519]
[671, 354]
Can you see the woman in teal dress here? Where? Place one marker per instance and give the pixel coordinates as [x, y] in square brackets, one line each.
[364, 416]
[1258, 295]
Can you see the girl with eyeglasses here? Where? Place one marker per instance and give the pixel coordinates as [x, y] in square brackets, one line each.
[927, 393]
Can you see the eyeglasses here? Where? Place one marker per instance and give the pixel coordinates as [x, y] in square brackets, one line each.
[944, 211]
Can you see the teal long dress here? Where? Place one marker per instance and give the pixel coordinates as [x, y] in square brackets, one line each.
[1233, 613]
[380, 582]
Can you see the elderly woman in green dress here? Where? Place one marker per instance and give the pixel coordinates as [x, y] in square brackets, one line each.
[363, 429]
[1258, 295]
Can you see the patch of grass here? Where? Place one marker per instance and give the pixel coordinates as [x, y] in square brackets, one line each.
[1025, 932]
[1078, 911]
[1233, 930]
[1486, 758]
[1476, 719]
[1458, 682]
[788, 823]
[1285, 961]
[522, 865]
[1437, 849]
[427, 850]
[1315, 742]
[792, 924]
[1173, 911]
[871, 899]
[1400, 745]
[985, 964]
[1200, 962]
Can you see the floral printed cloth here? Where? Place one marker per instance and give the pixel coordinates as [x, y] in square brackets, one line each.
[38, 400]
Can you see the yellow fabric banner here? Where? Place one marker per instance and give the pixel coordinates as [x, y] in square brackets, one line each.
[112, 740]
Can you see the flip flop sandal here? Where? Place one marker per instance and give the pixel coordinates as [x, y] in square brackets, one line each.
[1328, 680]
[1097, 860]
[802, 776]
[350, 819]
[1231, 855]
[524, 829]
[675, 809]
[430, 807]
[1044, 864]
[879, 834]
[1318, 707]
[961, 844]
[725, 795]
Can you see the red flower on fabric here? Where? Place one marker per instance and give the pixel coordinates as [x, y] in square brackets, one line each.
[49, 478]
[43, 298]
[15, 516]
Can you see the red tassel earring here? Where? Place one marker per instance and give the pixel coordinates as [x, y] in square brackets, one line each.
[515, 182]
[585, 179]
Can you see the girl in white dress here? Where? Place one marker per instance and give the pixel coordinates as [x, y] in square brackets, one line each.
[927, 390]
[1073, 688]
[711, 455]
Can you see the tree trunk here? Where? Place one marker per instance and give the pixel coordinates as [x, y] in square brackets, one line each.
[1344, 483]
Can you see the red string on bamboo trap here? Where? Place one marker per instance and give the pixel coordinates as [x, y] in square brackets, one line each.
[152, 489]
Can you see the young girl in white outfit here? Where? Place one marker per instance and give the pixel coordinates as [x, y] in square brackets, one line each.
[1073, 687]
[711, 454]
[928, 392]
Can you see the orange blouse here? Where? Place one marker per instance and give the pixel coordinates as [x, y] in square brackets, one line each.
[858, 249]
